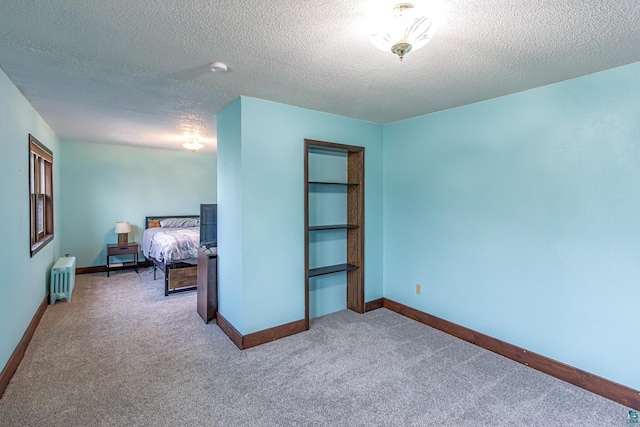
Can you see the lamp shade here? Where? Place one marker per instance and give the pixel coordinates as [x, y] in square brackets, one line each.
[123, 227]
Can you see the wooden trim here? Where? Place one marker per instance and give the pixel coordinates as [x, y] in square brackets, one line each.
[261, 337]
[272, 334]
[373, 305]
[590, 382]
[40, 149]
[18, 353]
[38, 246]
[229, 330]
[38, 240]
[332, 146]
[103, 268]
[355, 236]
[94, 269]
[306, 234]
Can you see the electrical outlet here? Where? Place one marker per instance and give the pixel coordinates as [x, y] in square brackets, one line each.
[418, 289]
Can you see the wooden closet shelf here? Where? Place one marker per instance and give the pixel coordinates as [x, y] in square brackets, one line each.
[333, 183]
[331, 269]
[332, 227]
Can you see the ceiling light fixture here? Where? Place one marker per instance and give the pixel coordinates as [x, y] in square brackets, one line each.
[218, 67]
[405, 30]
[192, 143]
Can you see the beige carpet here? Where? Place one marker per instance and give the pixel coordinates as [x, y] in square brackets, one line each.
[122, 354]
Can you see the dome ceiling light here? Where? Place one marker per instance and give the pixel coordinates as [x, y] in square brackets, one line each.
[218, 67]
[405, 29]
[192, 143]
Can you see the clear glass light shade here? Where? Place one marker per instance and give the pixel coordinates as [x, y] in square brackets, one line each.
[192, 144]
[404, 30]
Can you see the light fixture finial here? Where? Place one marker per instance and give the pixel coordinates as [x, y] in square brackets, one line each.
[401, 49]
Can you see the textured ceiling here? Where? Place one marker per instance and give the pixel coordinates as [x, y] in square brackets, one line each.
[136, 71]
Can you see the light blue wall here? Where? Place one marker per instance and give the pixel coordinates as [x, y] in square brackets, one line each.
[230, 213]
[272, 192]
[327, 205]
[520, 218]
[24, 279]
[103, 184]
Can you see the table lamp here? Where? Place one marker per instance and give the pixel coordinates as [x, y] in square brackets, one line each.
[122, 230]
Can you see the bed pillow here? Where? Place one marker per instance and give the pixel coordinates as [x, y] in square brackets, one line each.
[153, 223]
[180, 222]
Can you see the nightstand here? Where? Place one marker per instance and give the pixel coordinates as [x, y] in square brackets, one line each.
[131, 248]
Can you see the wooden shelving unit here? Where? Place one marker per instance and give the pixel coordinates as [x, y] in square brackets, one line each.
[354, 226]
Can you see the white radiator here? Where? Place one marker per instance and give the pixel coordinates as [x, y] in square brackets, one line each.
[63, 277]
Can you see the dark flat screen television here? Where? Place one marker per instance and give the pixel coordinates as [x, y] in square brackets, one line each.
[209, 225]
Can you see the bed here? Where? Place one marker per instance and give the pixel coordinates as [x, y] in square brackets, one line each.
[171, 243]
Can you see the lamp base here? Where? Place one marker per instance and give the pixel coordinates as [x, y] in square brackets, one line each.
[123, 238]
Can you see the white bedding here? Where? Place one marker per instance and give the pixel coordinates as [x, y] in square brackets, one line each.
[171, 244]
